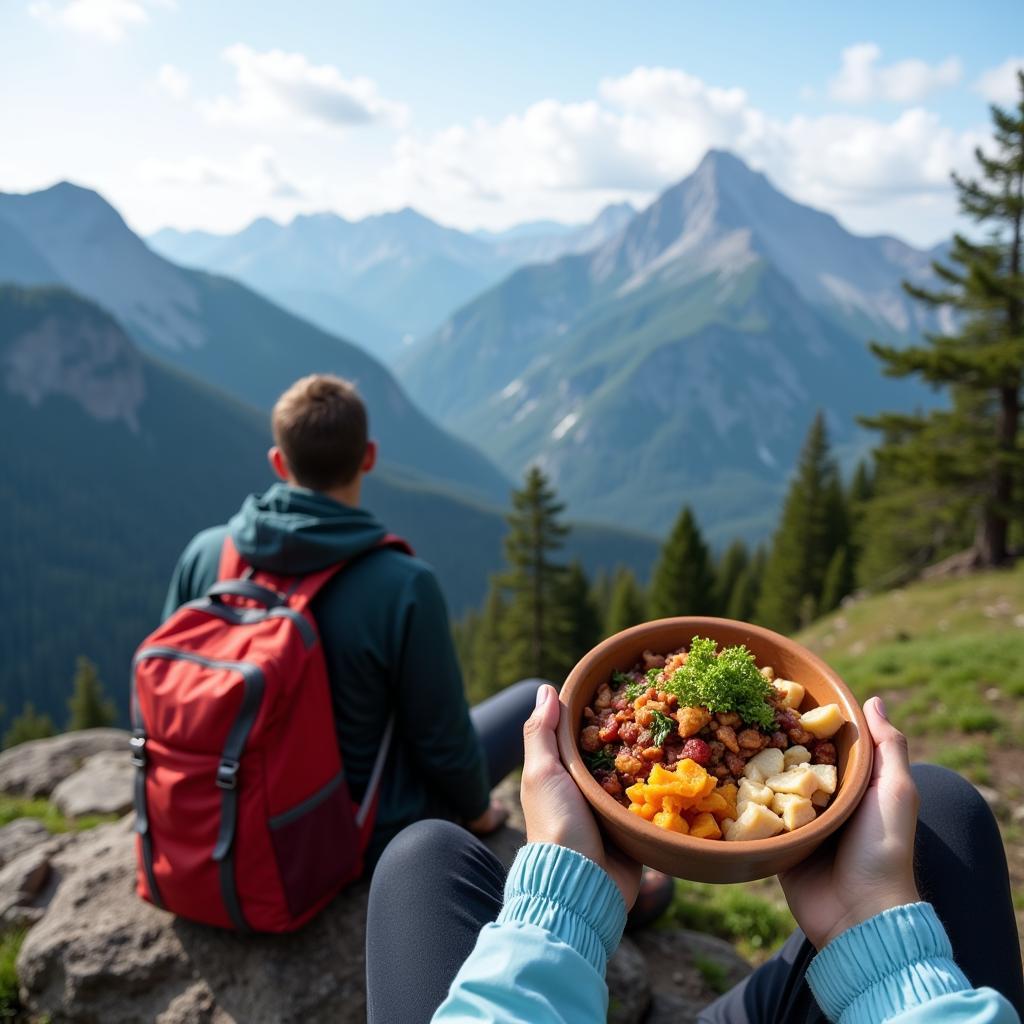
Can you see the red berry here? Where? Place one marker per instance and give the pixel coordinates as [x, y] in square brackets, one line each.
[696, 750]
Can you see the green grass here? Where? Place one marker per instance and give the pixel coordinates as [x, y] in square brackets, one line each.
[10, 946]
[949, 654]
[715, 976]
[757, 926]
[970, 759]
[12, 807]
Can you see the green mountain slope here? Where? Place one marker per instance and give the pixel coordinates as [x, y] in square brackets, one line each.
[115, 459]
[223, 333]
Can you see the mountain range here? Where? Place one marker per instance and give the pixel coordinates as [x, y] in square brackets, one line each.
[217, 330]
[115, 458]
[384, 280]
[681, 360]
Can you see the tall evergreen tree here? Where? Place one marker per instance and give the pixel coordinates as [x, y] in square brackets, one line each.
[584, 621]
[488, 670]
[809, 532]
[537, 626]
[628, 607]
[29, 725]
[683, 582]
[839, 580]
[971, 450]
[89, 707]
[601, 593]
[747, 589]
[729, 569]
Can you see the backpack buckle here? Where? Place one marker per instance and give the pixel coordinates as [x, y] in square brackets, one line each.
[138, 745]
[227, 773]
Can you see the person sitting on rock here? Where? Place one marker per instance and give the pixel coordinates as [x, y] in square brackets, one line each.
[382, 621]
[444, 946]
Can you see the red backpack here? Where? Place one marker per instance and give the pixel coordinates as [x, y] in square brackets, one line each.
[242, 810]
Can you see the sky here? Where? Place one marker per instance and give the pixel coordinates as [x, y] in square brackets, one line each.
[201, 114]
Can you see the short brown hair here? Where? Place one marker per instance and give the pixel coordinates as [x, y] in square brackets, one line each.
[320, 425]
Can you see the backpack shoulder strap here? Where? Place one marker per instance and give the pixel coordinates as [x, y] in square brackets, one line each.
[307, 587]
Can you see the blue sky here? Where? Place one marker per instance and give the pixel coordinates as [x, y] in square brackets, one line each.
[207, 114]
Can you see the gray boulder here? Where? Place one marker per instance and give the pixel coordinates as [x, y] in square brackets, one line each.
[35, 768]
[101, 954]
[103, 785]
[21, 835]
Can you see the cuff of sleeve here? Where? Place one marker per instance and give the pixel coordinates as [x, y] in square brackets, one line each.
[569, 896]
[890, 963]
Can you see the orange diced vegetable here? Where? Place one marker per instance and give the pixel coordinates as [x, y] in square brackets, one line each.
[672, 822]
[705, 827]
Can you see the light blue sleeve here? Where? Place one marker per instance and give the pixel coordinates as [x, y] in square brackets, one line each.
[543, 960]
[898, 966]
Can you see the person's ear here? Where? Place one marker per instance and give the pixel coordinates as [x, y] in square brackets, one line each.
[370, 458]
[277, 463]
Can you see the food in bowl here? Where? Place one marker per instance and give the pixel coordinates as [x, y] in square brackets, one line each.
[707, 743]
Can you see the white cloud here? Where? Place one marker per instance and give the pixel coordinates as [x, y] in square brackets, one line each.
[999, 84]
[255, 174]
[173, 81]
[862, 79]
[649, 128]
[275, 86]
[105, 19]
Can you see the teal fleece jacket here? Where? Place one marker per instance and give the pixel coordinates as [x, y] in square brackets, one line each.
[386, 640]
[543, 960]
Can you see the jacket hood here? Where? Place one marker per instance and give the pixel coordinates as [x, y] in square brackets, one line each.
[291, 531]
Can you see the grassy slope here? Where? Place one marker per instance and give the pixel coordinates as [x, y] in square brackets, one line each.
[948, 657]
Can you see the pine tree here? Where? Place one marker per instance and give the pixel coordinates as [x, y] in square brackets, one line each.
[487, 672]
[537, 626]
[839, 580]
[730, 568]
[971, 450]
[747, 589]
[29, 725]
[627, 607]
[89, 707]
[584, 621]
[683, 582]
[810, 531]
[601, 593]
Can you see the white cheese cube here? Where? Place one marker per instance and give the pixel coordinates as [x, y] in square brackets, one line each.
[767, 762]
[756, 822]
[792, 693]
[799, 780]
[796, 755]
[823, 722]
[828, 778]
[794, 810]
[751, 792]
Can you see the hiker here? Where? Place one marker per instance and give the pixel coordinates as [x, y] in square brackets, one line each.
[382, 621]
[441, 945]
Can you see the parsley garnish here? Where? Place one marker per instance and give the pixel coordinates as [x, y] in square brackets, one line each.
[601, 760]
[634, 690]
[729, 681]
[661, 727]
[620, 679]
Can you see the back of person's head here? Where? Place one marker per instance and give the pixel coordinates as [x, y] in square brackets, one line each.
[320, 425]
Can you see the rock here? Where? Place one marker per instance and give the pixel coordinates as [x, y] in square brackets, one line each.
[101, 954]
[629, 988]
[21, 835]
[33, 769]
[103, 785]
[27, 882]
[669, 1008]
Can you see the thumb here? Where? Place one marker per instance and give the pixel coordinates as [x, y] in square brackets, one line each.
[540, 748]
[892, 758]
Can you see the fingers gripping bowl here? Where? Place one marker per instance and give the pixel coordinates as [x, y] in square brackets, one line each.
[691, 856]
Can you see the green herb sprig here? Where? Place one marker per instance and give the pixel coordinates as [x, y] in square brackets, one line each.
[601, 760]
[729, 681]
[661, 727]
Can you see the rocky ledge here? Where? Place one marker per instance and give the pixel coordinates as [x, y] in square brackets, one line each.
[95, 952]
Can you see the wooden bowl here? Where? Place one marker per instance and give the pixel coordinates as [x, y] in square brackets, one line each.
[706, 860]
